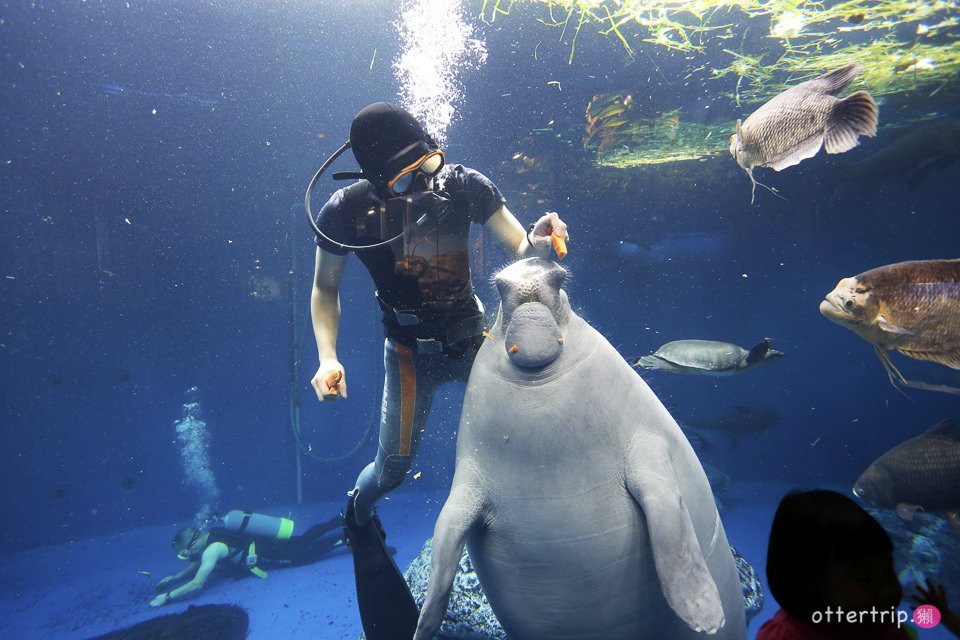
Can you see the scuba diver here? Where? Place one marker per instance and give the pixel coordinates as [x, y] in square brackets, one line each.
[246, 543]
[407, 218]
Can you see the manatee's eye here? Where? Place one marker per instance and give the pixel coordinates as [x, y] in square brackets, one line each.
[848, 303]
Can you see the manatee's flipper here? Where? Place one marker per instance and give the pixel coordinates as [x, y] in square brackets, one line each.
[685, 579]
[387, 608]
[758, 351]
[460, 513]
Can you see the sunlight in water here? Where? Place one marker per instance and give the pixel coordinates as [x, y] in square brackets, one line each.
[437, 45]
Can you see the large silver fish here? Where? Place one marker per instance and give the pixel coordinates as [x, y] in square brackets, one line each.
[923, 472]
[793, 125]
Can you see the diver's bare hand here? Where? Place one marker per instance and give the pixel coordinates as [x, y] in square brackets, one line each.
[160, 600]
[330, 382]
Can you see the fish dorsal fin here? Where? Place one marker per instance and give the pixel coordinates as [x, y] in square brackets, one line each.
[835, 81]
[758, 351]
[945, 429]
[889, 327]
[740, 131]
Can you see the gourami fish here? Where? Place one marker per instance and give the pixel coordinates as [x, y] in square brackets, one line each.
[796, 123]
[911, 307]
[920, 473]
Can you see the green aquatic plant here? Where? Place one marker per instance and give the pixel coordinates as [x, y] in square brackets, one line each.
[904, 45]
[662, 140]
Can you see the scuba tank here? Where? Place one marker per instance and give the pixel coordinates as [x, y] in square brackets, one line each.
[258, 525]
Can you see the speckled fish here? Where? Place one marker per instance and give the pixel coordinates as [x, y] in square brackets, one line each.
[793, 125]
[922, 472]
[911, 307]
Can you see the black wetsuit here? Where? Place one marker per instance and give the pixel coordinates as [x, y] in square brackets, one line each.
[272, 554]
[432, 319]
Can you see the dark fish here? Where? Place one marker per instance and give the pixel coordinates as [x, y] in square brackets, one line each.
[921, 472]
[741, 421]
[910, 157]
[910, 307]
[793, 125]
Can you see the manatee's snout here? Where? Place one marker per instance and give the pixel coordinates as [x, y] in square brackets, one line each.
[533, 338]
[532, 310]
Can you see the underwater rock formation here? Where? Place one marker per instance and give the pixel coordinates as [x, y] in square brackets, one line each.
[204, 622]
[469, 616]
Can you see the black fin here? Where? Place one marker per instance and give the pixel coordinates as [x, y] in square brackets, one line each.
[758, 351]
[835, 81]
[857, 114]
[915, 177]
[387, 608]
[944, 429]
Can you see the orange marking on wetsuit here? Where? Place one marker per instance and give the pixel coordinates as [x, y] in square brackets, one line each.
[560, 340]
[513, 349]
[487, 336]
[559, 245]
[332, 381]
[408, 397]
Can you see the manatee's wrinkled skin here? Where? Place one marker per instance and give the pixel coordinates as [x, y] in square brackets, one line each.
[583, 506]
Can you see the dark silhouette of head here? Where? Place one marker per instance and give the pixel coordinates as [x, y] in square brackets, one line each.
[826, 551]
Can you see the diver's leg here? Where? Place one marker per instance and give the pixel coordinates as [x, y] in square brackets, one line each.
[408, 389]
[387, 608]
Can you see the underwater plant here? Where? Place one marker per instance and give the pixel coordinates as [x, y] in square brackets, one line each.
[755, 49]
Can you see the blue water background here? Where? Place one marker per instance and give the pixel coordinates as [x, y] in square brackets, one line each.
[153, 159]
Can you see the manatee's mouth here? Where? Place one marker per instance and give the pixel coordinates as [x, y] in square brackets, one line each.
[532, 337]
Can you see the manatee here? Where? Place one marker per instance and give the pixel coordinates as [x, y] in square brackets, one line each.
[708, 357]
[584, 508]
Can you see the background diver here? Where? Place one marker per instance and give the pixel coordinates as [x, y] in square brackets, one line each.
[408, 220]
[252, 545]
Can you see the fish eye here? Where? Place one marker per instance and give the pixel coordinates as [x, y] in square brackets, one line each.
[848, 303]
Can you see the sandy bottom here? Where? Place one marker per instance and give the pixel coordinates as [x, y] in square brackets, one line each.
[90, 587]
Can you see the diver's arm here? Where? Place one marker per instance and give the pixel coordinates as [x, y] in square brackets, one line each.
[211, 555]
[514, 238]
[179, 576]
[325, 315]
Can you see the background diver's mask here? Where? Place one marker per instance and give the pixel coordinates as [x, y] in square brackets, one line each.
[188, 552]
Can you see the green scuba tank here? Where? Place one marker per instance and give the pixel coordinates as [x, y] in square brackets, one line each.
[258, 525]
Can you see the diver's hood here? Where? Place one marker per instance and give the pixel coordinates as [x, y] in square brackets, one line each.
[385, 139]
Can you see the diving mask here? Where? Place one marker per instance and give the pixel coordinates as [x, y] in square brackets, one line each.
[427, 166]
[186, 553]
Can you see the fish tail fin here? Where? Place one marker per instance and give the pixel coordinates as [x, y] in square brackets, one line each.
[837, 80]
[855, 115]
